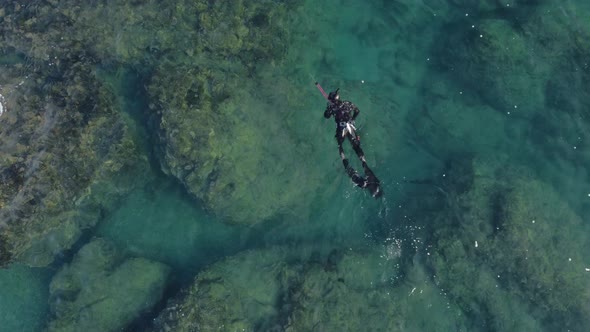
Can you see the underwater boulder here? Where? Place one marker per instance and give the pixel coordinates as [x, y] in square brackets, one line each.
[102, 291]
[216, 140]
[65, 154]
[353, 292]
[498, 61]
[509, 250]
[239, 293]
[231, 141]
[270, 290]
[509, 57]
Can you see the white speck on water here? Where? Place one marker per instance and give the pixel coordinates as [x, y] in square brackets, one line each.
[587, 270]
[533, 221]
[476, 245]
[363, 81]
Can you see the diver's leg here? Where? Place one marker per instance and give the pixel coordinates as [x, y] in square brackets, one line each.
[340, 140]
[356, 146]
[354, 175]
[372, 182]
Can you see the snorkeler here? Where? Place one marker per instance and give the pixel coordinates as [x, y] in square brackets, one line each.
[345, 113]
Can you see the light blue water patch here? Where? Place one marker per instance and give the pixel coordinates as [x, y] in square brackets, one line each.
[23, 303]
[355, 61]
[162, 223]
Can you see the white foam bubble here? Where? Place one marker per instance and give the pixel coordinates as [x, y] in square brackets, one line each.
[1, 105]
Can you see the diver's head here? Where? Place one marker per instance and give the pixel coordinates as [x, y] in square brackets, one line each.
[334, 96]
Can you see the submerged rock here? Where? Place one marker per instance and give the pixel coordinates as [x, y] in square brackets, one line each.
[217, 143]
[269, 291]
[496, 60]
[510, 251]
[354, 294]
[64, 160]
[216, 134]
[65, 149]
[237, 294]
[102, 291]
[213, 131]
[509, 56]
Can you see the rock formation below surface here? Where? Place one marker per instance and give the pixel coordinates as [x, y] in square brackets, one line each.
[509, 251]
[103, 291]
[64, 160]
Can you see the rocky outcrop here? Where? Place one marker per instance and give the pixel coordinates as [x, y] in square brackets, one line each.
[103, 291]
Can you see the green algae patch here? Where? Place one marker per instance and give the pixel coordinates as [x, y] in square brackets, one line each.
[500, 59]
[238, 294]
[351, 293]
[103, 291]
[510, 251]
[65, 159]
[221, 149]
[509, 58]
[270, 290]
[230, 147]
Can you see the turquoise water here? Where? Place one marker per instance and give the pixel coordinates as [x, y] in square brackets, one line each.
[475, 117]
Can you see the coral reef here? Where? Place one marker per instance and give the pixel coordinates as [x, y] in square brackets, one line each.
[102, 291]
[509, 251]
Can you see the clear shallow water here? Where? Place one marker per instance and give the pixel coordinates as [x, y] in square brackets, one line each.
[404, 65]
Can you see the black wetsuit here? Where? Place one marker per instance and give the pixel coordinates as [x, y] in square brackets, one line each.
[345, 113]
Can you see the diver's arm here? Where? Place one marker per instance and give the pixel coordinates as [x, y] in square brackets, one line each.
[328, 112]
[356, 112]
